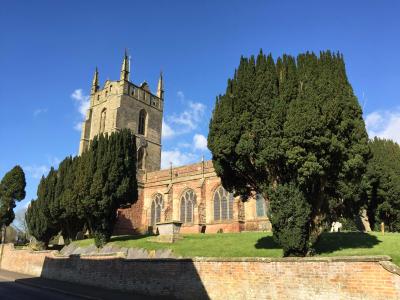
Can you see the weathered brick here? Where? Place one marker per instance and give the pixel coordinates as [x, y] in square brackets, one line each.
[216, 278]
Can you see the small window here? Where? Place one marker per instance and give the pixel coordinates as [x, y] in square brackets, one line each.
[261, 206]
[223, 205]
[188, 201]
[156, 206]
[98, 97]
[142, 122]
[110, 88]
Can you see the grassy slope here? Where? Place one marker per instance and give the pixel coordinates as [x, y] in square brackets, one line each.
[252, 244]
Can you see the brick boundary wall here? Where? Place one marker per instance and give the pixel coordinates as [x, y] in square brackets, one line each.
[363, 277]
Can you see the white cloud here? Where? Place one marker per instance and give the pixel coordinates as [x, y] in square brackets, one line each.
[167, 131]
[26, 205]
[82, 102]
[181, 96]
[78, 126]
[373, 119]
[53, 161]
[200, 142]
[190, 117]
[36, 171]
[384, 124]
[186, 121]
[176, 157]
[39, 111]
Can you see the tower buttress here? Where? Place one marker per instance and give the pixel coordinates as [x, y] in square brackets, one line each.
[125, 68]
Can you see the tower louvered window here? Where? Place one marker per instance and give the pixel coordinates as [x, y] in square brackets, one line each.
[188, 201]
[223, 205]
[103, 120]
[142, 122]
[156, 206]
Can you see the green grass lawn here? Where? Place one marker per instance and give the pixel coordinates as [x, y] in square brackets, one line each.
[261, 244]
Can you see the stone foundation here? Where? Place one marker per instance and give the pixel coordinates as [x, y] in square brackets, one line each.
[219, 278]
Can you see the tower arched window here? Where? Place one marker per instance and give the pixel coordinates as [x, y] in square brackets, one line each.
[223, 204]
[142, 122]
[157, 205]
[188, 201]
[141, 156]
[103, 120]
[261, 206]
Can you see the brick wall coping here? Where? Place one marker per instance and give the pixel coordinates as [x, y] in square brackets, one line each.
[384, 260]
[366, 258]
[375, 258]
[391, 267]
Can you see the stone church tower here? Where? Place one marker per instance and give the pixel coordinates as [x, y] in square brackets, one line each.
[122, 104]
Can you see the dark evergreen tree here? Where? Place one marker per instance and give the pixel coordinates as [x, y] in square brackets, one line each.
[297, 124]
[114, 182]
[12, 188]
[39, 221]
[384, 184]
[290, 219]
[64, 207]
[86, 191]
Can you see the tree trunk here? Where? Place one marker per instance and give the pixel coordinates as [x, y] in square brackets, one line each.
[3, 234]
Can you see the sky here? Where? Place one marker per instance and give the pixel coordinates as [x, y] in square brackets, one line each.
[49, 50]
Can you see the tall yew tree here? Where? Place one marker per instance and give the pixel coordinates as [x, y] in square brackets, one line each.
[293, 131]
[12, 188]
[86, 191]
[383, 175]
[113, 160]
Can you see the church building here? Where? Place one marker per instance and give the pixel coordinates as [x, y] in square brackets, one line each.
[192, 194]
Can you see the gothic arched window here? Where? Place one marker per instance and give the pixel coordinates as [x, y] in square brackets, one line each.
[141, 159]
[156, 206]
[103, 120]
[261, 206]
[223, 204]
[188, 201]
[142, 122]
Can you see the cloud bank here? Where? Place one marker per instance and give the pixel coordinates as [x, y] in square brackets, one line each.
[384, 124]
[177, 127]
[82, 103]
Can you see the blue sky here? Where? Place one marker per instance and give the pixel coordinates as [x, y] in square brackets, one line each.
[49, 49]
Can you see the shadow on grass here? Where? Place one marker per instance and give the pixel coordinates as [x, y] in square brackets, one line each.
[267, 242]
[330, 242]
[120, 238]
[334, 241]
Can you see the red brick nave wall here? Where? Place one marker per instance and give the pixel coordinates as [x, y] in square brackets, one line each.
[171, 184]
